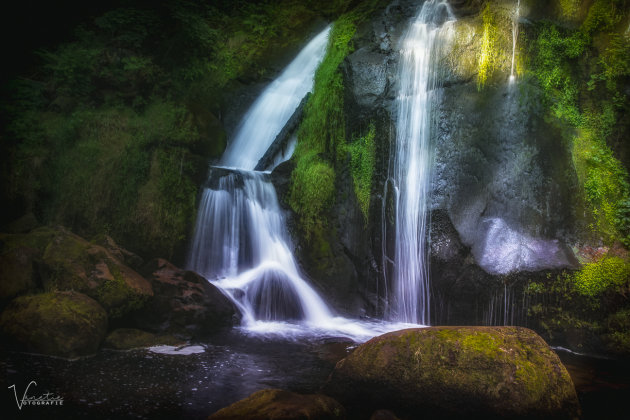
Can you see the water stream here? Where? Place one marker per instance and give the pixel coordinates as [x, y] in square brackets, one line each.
[410, 169]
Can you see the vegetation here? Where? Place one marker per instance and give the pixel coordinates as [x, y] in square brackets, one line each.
[322, 139]
[488, 53]
[112, 131]
[362, 161]
[581, 90]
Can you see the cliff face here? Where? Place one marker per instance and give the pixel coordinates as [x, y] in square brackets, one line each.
[511, 200]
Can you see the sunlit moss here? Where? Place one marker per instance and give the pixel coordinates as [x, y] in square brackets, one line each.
[363, 158]
[597, 277]
[488, 53]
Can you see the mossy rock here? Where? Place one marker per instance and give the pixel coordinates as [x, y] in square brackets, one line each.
[456, 372]
[76, 264]
[131, 338]
[64, 324]
[278, 404]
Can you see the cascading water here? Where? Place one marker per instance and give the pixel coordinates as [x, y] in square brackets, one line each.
[240, 240]
[410, 169]
[273, 108]
[514, 36]
[240, 234]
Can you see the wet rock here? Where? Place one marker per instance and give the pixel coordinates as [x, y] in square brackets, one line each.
[184, 303]
[130, 338]
[456, 372]
[64, 324]
[271, 404]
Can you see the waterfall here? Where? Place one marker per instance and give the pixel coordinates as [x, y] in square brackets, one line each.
[240, 242]
[514, 36]
[410, 168]
[240, 239]
[273, 108]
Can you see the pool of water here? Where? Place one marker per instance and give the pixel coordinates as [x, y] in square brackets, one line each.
[166, 382]
[195, 381]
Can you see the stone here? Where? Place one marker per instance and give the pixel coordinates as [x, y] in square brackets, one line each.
[131, 338]
[455, 372]
[276, 404]
[64, 324]
[76, 264]
[184, 303]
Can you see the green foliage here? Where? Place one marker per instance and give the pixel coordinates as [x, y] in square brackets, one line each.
[113, 133]
[570, 79]
[556, 53]
[362, 161]
[603, 15]
[598, 277]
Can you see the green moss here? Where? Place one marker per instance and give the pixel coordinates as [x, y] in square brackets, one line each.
[597, 277]
[362, 161]
[66, 324]
[116, 296]
[322, 134]
[312, 192]
[488, 52]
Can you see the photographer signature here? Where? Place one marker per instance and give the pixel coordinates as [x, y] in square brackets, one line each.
[44, 399]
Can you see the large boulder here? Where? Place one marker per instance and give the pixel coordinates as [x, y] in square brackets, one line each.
[56, 259]
[64, 324]
[456, 372]
[76, 264]
[184, 304]
[270, 404]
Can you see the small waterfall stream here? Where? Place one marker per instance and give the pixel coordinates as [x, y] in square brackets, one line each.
[410, 169]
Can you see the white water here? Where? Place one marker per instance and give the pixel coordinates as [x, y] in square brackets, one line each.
[411, 169]
[273, 108]
[514, 37]
[240, 242]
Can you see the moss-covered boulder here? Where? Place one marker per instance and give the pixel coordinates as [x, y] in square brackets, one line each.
[65, 324]
[456, 372]
[184, 304]
[20, 257]
[269, 404]
[131, 338]
[76, 264]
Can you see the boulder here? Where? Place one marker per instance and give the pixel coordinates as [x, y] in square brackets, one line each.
[185, 303]
[278, 404]
[64, 324]
[131, 338]
[456, 372]
[76, 264]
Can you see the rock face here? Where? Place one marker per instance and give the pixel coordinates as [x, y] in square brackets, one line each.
[456, 372]
[65, 324]
[184, 303]
[276, 404]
